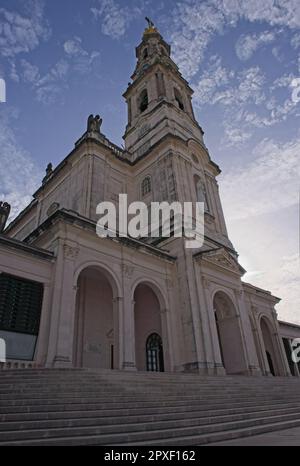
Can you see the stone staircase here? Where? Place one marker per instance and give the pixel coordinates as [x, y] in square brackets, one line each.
[86, 407]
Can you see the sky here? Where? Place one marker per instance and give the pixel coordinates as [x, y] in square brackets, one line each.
[64, 59]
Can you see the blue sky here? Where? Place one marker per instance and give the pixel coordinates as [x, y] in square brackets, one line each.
[65, 59]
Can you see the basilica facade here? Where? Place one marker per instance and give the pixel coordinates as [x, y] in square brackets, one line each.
[71, 299]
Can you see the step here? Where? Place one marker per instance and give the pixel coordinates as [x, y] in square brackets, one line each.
[217, 436]
[62, 407]
[173, 411]
[113, 400]
[101, 436]
[82, 407]
[192, 418]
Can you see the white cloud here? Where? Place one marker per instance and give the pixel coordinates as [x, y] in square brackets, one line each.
[214, 78]
[30, 72]
[234, 92]
[13, 72]
[269, 183]
[19, 177]
[249, 43]
[285, 282]
[268, 248]
[115, 19]
[195, 24]
[235, 136]
[260, 201]
[79, 58]
[295, 41]
[229, 88]
[18, 33]
[49, 87]
[245, 99]
[278, 53]
[74, 47]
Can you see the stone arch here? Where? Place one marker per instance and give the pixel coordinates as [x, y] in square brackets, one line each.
[111, 275]
[149, 319]
[270, 359]
[155, 288]
[96, 330]
[146, 185]
[195, 147]
[200, 191]
[229, 333]
[179, 98]
[143, 100]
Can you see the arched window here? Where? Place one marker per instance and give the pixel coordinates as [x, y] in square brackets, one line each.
[146, 185]
[143, 100]
[154, 353]
[201, 194]
[178, 98]
[145, 53]
[195, 159]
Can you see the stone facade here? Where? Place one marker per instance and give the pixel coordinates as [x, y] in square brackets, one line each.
[149, 303]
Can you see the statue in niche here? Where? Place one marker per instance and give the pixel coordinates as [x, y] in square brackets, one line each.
[201, 194]
[94, 123]
[4, 213]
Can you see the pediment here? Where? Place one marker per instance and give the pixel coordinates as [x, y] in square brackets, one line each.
[222, 258]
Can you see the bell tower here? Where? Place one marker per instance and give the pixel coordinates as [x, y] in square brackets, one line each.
[158, 98]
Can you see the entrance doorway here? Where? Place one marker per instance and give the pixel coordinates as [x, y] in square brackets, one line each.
[269, 346]
[229, 334]
[149, 336]
[154, 353]
[95, 339]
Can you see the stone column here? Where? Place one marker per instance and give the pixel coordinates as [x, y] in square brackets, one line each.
[127, 321]
[44, 329]
[204, 311]
[128, 335]
[118, 332]
[190, 314]
[281, 359]
[219, 368]
[247, 335]
[152, 91]
[160, 84]
[129, 111]
[284, 367]
[64, 301]
[166, 337]
[258, 349]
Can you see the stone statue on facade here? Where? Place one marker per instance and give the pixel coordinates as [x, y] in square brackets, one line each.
[4, 213]
[94, 123]
[49, 171]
